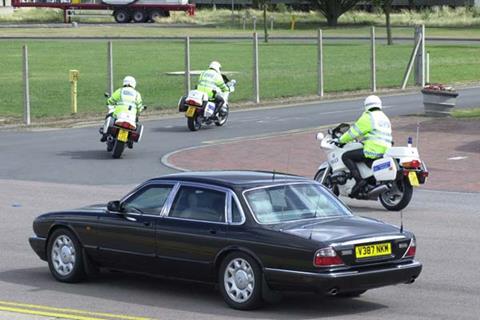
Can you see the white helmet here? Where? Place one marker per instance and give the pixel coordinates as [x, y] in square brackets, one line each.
[372, 102]
[129, 81]
[215, 65]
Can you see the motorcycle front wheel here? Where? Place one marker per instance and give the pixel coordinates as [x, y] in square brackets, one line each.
[194, 123]
[326, 183]
[399, 196]
[222, 119]
[118, 149]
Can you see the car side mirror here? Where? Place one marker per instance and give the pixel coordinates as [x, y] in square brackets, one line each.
[114, 206]
[320, 136]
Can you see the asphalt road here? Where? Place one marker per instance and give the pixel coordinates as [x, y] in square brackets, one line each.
[76, 156]
[51, 170]
[446, 225]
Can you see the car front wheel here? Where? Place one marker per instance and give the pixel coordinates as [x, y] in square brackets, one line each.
[65, 258]
[240, 281]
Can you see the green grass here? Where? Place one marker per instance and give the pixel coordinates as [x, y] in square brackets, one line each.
[466, 113]
[286, 70]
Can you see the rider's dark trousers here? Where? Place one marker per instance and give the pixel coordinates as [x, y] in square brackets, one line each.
[349, 158]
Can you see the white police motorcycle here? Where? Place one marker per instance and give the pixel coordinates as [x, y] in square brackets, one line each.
[390, 179]
[200, 111]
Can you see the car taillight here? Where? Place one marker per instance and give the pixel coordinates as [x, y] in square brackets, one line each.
[412, 249]
[414, 164]
[327, 257]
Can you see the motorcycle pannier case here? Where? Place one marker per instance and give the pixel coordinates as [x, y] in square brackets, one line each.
[384, 169]
[195, 98]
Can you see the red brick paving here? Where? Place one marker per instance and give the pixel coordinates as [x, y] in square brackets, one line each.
[300, 153]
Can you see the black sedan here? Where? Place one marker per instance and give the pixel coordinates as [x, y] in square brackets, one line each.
[252, 233]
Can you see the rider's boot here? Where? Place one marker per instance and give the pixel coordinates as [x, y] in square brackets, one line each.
[357, 188]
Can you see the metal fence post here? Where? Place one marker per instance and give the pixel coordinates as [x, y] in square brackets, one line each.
[320, 62]
[427, 68]
[26, 88]
[256, 84]
[187, 65]
[419, 74]
[254, 23]
[110, 68]
[373, 60]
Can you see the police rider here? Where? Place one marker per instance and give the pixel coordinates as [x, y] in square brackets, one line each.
[211, 82]
[374, 130]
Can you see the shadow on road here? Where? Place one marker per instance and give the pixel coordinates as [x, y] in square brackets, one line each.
[473, 146]
[171, 129]
[86, 155]
[185, 296]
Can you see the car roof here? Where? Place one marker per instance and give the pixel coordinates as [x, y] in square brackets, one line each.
[235, 178]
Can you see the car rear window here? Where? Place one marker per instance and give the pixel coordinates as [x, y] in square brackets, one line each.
[290, 202]
[197, 203]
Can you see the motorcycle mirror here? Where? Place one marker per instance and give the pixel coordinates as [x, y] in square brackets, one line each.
[320, 136]
[106, 95]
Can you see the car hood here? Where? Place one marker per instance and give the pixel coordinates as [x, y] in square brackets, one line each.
[339, 229]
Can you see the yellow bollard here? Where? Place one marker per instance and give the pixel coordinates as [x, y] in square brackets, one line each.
[292, 23]
[73, 77]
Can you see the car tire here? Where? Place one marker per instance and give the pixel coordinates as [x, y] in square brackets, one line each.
[65, 257]
[240, 281]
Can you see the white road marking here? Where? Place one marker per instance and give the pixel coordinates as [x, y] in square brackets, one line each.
[457, 158]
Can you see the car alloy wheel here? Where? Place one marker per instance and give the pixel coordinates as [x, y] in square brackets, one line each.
[239, 280]
[63, 255]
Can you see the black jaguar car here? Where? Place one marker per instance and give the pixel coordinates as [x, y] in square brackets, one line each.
[252, 233]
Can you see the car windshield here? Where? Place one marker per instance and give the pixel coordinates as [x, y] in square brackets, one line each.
[290, 202]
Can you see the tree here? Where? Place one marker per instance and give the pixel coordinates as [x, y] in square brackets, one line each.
[386, 6]
[333, 9]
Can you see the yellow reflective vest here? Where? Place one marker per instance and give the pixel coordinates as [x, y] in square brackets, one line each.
[211, 80]
[374, 130]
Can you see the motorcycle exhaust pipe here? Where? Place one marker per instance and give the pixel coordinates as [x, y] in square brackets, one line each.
[373, 194]
[109, 138]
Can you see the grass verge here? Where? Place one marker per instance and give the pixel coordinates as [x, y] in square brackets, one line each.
[286, 70]
[466, 113]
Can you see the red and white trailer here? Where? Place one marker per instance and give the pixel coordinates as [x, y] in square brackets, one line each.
[123, 10]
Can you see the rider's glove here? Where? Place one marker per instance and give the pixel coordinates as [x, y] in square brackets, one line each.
[337, 143]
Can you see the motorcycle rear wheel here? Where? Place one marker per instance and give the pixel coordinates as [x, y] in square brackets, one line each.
[398, 197]
[194, 123]
[118, 149]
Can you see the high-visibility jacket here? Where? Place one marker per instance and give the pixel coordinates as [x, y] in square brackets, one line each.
[126, 98]
[374, 130]
[211, 80]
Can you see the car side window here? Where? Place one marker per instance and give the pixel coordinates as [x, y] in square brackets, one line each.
[197, 203]
[149, 200]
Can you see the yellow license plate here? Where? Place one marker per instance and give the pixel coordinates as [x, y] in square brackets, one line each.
[122, 135]
[190, 112]
[412, 177]
[373, 250]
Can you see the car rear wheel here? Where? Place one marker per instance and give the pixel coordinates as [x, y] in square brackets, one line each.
[240, 281]
[65, 258]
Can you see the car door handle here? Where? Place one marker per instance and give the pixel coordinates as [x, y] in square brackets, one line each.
[147, 223]
[212, 231]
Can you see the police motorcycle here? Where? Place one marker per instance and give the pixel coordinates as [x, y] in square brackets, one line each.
[121, 128]
[200, 111]
[390, 179]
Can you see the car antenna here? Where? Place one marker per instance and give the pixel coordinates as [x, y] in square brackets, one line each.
[401, 221]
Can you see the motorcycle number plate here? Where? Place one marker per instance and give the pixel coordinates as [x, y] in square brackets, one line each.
[412, 177]
[122, 135]
[190, 111]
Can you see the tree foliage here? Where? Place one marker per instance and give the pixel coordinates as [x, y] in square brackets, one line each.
[333, 9]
